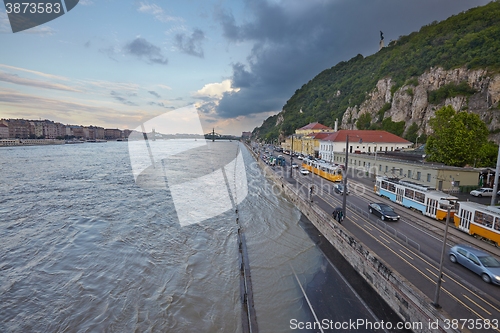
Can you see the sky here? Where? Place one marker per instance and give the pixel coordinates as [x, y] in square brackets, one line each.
[120, 63]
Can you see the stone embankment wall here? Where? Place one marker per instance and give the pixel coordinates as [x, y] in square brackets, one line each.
[406, 300]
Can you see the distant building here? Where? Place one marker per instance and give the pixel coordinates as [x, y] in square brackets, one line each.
[113, 133]
[306, 139]
[4, 131]
[246, 135]
[47, 129]
[19, 128]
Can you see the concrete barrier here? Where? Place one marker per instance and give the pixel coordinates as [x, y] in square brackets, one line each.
[407, 301]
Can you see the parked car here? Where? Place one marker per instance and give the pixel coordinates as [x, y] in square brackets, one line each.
[482, 192]
[339, 188]
[481, 263]
[295, 165]
[304, 171]
[385, 212]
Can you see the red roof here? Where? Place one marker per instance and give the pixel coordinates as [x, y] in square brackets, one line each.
[320, 135]
[316, 125]
[366, 135]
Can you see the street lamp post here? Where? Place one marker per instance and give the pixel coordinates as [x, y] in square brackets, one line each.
[438, 284]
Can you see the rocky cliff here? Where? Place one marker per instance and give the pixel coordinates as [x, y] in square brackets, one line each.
[410, 103]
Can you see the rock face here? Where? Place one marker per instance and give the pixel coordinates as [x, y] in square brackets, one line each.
[410, 103]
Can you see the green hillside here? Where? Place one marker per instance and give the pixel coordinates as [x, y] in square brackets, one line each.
[470, 39]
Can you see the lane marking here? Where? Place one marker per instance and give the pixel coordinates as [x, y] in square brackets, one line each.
[479, 306]
[307, 299]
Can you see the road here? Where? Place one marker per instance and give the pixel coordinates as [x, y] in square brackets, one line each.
[412, 246]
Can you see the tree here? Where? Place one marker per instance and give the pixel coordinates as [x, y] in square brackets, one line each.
[364, 121]
[457, 139]
[412, 133]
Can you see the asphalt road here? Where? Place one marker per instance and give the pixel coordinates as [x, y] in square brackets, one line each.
[412, 246]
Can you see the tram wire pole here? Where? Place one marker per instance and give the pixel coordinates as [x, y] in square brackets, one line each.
[291, 159]
[344, 196]
[440, 275]
[495, 184]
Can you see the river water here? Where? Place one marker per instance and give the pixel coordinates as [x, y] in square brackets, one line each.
[85, 247]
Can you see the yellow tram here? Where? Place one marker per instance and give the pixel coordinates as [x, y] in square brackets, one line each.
[479, 220]
[322, 169]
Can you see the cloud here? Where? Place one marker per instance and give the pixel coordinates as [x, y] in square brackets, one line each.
[42, 103]
[141, 48]
[154, 93]
[121, 99]
[156, 11]
[16, 79]
[191, 44]
[295, 40]
[57, 77]
[163, 105]
[214, 90]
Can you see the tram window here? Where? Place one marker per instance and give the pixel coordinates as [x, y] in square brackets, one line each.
[384, 185]
[497, 224]
[392, 187]
[484, 219]
[409, 193]
[420, 197]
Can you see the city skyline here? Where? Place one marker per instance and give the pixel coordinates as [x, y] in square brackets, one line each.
[120, 64]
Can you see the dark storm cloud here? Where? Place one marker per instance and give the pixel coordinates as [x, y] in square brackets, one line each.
[154, 93]
[191, 44]
[296, 40]
[141, 48]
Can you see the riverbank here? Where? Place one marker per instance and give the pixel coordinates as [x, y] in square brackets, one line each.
[29, 142]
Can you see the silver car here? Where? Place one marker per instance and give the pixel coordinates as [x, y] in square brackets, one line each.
[481, 263]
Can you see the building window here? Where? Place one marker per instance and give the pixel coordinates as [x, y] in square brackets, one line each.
[409, 174]
[418, 175]
[400, 172]
[428, 177]
[380, 167]
[392, 148]
[386, 168]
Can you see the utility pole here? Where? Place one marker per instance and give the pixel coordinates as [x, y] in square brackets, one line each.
[344, 197]
[495, 184]
[291, 159]
[438, 284]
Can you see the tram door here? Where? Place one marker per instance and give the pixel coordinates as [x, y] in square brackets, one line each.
[399, 195]
[465, 217]
[431, 207]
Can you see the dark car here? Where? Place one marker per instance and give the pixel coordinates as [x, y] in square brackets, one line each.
[385, 212]
[481, 263]
[339, 188]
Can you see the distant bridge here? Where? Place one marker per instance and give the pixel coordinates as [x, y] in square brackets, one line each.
[216, 136]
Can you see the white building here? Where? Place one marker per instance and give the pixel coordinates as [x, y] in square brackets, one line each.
[360, 141]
